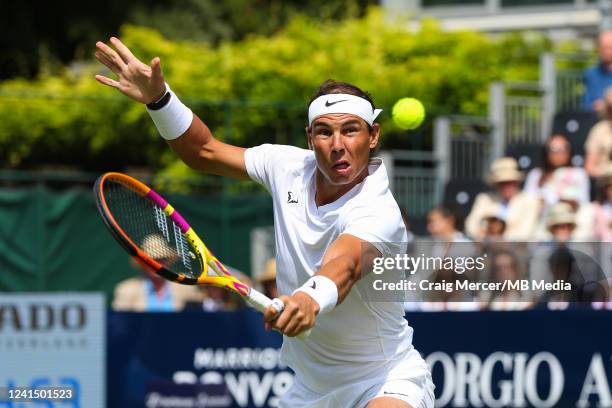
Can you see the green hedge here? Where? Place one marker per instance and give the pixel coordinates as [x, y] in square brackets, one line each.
[255, 90]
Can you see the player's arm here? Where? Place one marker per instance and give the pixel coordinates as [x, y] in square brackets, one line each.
[341, 268]
[193, 141]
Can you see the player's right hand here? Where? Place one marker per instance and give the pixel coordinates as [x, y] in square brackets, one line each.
[139, 81]
[298, 315]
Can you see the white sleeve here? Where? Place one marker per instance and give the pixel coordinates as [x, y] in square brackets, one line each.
[258, 162]
[382, 226]
[265, 162]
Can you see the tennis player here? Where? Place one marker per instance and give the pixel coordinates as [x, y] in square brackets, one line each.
[332, 209]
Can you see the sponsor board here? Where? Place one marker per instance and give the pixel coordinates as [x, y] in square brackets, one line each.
[53, 342]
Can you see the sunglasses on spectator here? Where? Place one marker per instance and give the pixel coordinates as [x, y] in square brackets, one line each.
[558, 148]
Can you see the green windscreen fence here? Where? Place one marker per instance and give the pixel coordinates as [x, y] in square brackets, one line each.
[56, 241]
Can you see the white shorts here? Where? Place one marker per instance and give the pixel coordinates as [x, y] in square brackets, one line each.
[408, 380]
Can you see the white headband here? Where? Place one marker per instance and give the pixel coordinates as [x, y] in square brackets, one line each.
[342, 103]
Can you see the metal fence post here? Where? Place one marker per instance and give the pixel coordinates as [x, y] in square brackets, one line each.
[497, 110]
[442, 146]
[549, 98]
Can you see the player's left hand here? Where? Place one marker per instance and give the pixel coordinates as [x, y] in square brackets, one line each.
[298, 315]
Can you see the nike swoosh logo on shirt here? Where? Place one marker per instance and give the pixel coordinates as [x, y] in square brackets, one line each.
[328, 103]
[396, 393]
[314, 285]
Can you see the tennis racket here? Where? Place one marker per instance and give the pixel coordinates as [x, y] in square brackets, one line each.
[154, 233]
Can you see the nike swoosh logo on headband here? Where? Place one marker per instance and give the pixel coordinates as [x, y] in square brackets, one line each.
[328, 103]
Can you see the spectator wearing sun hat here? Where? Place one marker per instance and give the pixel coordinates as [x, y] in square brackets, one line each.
[149, 292]
[517, 209]
[561, 222]
[583, 214]
[267, 279]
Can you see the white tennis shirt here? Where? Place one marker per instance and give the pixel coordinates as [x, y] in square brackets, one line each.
[357, 339]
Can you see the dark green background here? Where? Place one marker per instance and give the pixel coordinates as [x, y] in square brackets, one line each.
[56, 241]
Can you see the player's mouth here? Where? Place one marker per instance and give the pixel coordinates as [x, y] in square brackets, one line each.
[341, 166]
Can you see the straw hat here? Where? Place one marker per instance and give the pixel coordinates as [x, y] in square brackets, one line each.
[156, 246]
[269, 273]
[505, 169]
[560, 213]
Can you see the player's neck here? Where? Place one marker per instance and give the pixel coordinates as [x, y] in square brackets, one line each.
[327, 192]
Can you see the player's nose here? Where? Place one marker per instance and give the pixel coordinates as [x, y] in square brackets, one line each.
[337, 142]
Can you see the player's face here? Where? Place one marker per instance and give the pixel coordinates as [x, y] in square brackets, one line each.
[342, 144]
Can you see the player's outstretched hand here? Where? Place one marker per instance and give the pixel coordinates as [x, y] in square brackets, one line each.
[139, 81]
[298, 315]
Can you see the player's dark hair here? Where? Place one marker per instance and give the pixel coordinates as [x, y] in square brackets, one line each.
[331, 86]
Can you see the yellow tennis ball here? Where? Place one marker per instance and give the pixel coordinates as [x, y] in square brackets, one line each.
[408, 113]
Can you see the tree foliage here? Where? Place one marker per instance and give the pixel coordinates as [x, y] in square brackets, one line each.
[255, 90]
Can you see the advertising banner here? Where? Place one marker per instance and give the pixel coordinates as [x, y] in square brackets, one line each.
[52, 350]
[535, 358]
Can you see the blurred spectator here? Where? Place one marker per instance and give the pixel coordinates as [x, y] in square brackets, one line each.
[494, 228]
[557, 175]
[442, 225]
[217, 299]
[583, 215]
[603, 207]
[504, 267]
[516, 209]
[149, 292]
[598, 145]
[448, 242]
[267, 279]
[561, 222]
[596, 79]
[581, 272]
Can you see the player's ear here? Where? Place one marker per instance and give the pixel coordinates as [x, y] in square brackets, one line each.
[308, 130]
[374, 134]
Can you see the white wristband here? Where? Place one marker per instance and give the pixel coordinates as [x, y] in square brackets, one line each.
[323, 290]
[173, 119]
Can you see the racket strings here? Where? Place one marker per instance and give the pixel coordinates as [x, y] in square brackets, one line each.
[151, 229]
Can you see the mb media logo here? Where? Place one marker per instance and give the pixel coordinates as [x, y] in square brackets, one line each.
[42, 317]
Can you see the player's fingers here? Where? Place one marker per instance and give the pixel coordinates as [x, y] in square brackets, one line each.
[107, 81]
[286, 316]
[123, 51]
[110, 54]
[107, 62]
[270, 314]
[275, 309]
[293, 328]
[156, 71]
